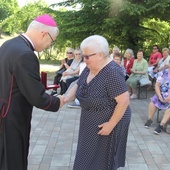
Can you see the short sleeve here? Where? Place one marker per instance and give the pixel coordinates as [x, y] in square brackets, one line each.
[115, 81]
[159, 55]
[83, 75]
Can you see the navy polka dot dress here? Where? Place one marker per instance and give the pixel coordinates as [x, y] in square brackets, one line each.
[96, 152]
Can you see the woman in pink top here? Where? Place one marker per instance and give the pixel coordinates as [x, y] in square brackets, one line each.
[155, 56]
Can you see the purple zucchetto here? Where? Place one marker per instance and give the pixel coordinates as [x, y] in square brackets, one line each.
[46, 20]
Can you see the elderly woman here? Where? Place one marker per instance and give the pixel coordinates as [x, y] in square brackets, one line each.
[161, 100]
[128, 61]
[139, 69]
[72, 73]
[114, 50]
[163, 62]
[65, 64]
[105, 115]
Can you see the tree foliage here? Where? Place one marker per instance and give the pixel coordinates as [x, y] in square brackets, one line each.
[7, 8]
[128, 22]
[77, 25]
[125, 23]
[19, 21]
[131, 24]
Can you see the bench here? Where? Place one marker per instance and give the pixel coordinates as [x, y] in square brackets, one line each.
[142, 91]
[143, 87]
[44, 82]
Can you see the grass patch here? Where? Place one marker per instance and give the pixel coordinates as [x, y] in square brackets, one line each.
[50, 67]
[51, 62]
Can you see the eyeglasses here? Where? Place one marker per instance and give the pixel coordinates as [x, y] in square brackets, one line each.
[51, 38]
[78, 54]
[69, 52]
[154, 48]
[88, 56]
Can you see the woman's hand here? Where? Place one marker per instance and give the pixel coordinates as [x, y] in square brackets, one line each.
[105, 129]
[167, 99]
[133, 71]
[155, 70]
[61, 100]
[161, 99]
[65, 74]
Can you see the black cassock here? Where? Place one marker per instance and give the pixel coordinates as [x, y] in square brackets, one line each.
[17, 58]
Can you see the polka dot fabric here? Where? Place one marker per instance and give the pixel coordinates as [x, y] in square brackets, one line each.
[96, 152]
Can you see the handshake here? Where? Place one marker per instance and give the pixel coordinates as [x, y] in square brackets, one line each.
[68, 96]
[63, 99]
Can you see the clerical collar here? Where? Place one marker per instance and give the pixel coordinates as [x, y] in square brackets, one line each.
[28, 41]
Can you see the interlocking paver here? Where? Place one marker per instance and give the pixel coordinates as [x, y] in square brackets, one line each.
[54, 140]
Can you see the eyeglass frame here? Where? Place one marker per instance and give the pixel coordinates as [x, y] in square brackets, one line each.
[88, 56]
[51, 38]
[69, 52]
[78, 54]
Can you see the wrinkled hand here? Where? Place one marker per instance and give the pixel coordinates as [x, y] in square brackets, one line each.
[106, 128]
[65, 74]
[61, 100]
[161, 99]
[166, 100]
[133, 71]
[155, 70]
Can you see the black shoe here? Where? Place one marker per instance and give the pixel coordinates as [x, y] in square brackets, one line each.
[158, 129]
[148, 123]
[53, 93]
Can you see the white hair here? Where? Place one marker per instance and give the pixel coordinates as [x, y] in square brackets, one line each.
[130, 51]
[77, 50]
[96, 42]
[69, 49]
[34, 25]
[116, 48]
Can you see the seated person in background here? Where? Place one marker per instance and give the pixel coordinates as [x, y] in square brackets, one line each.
[72, 73]
[162, 97]
[76, 103]
[163, 62]
[128, 61]
[139, 69]
[163, 122]
[154, 58]
[118, 59]
[65, 64]
[114, 50]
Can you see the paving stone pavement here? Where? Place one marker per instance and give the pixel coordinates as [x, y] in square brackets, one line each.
[54, 139]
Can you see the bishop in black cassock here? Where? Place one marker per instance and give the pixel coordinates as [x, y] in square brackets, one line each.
[20, 90]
